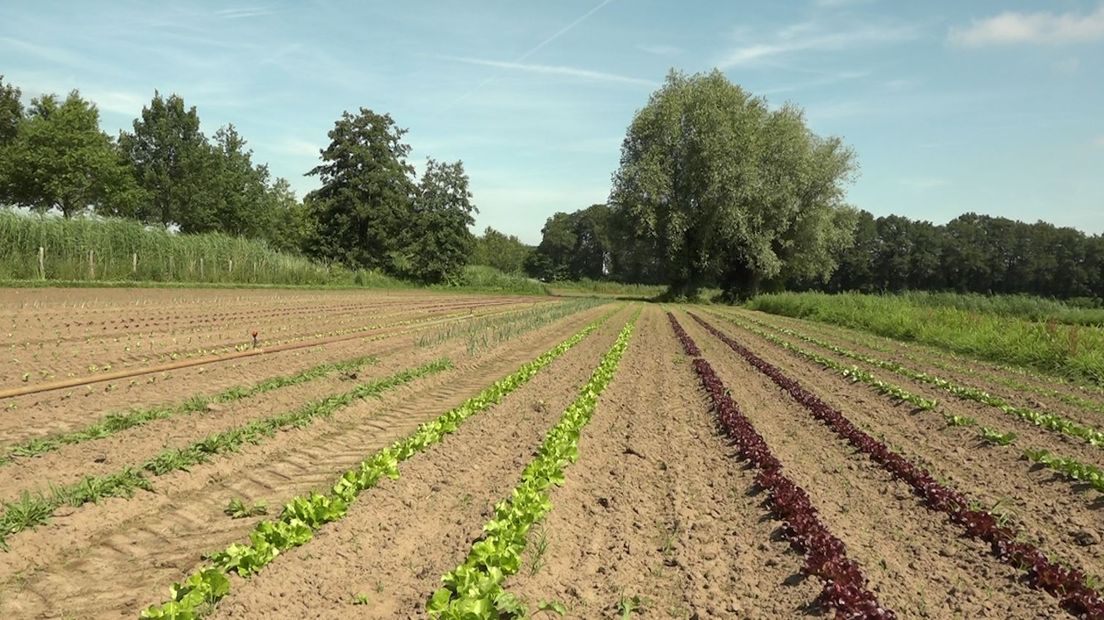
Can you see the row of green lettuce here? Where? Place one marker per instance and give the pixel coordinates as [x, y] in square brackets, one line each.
[473, 590]
[304, 515]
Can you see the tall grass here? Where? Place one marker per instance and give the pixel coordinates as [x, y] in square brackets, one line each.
[483, 278]
[1081, 311]
[84, 249]
[1037, 341]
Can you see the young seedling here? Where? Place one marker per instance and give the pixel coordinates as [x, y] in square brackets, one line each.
[360, 599]
[996, 437]
[237, 509]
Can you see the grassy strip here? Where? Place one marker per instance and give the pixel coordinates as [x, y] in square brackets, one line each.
[118, 422]
[474, 589]
[31, 510]
[1072, 351]
[852, 373]
[303, 515]
[937, 358]
[1042, 419]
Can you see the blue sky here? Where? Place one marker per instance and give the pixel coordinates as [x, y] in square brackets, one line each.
[993, 107]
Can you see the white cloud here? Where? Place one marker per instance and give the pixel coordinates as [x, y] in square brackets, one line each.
[599, 76]
[810, 37]
[1041, 27]
[1099, 141]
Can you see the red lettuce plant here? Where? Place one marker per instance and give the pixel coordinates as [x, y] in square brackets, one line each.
[1068, 584]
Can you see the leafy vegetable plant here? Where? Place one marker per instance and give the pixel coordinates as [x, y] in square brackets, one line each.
[302, 516]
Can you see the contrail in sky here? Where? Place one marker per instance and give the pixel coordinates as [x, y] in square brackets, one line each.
[559, 33]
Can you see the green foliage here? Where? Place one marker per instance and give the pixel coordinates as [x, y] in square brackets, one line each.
[1072, 351]
[473, 590]
[238, 509]
[361, 213]
[59, 159]
[996, 437]
[574, 246]
[482, 278]
[81, 250]
[11, 113]
[438, 241]
[717, 187]
[170, 158]
[1071, 468]
[303, 515]
[505, 253]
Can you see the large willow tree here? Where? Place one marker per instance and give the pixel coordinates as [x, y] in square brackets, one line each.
[717, 188]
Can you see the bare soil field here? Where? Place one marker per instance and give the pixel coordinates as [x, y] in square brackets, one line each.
[517, 456]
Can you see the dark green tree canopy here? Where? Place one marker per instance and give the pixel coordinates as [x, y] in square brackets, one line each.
[169, 155]
[364, 206]
[721, 189]
[59, 159]
[11, 111]
[438, 241]
[504, 252]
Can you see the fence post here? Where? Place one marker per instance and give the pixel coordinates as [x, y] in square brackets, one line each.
[171, 267]
[91, 264]
[42, 262]
[229, 265]
[200, 267]
[134, 263]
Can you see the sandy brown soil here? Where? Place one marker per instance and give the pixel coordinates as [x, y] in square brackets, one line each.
[1053, 512]
[399, 538]
[46, 340]
[37, 415]
[917, 563]
[658, 507]
[151, 540]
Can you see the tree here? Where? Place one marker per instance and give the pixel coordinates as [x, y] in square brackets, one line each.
[11, 112]
[171, 160]
[439, 242]
[289, 226]
[728, 191]
[239, 203]
[503, 252]
[590, 258]
[59, 159]
[363, 210]
[551, 260]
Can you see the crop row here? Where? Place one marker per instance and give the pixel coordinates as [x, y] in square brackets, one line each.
[473, 590]
[304, 515]
[852, 373]
[31, 510]
[1049, 421]
[845, 589]
[117, 422]
[955, 363]
[1071, 468]
[1068, 584]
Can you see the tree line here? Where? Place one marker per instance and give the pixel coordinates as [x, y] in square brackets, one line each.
[371, 211]
[718, 189]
